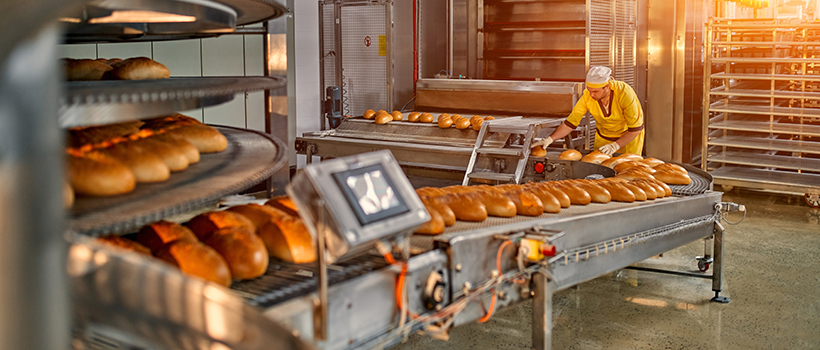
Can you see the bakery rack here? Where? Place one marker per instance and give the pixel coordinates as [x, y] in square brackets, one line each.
[761, 95]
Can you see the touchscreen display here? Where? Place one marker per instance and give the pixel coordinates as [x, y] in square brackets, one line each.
[370, 193]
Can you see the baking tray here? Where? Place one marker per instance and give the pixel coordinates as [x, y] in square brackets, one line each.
[250, 158]
[111, 101]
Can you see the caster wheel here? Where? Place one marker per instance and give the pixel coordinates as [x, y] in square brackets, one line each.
[703, 266]
[813, 216]
[727, 188]
[813, 199]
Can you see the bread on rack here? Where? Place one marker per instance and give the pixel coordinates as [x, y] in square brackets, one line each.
[139, 68]
[101, 136]
[259, 215]
[538, 151]
[242, 249]
[434, 226]
[205, 224]
[124, 243]
[174, 158]
[570, 154]
[413, 117]
[197, 259]
[95, 174]
[595, 157]
[285, 204]
[369, 114]
[157, 235]
[287, 238]
[85, 69]
[145, 165]
[188, 149]
[447, 215]
[205, 138]
[384, 118]
[426, 118]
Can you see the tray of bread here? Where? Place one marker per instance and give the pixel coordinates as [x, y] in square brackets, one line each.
[99, 102]
[127, 175]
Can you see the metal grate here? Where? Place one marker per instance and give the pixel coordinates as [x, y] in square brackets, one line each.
[329, 53]
[601, 30]
[701, 183]
[284, 281]
[364, 68]
[612, 37]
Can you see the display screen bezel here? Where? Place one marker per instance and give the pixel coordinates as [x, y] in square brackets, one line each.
[365, 219]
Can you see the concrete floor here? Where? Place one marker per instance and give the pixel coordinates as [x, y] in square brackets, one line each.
[772, 274]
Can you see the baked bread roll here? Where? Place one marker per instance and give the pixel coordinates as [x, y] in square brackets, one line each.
[612, 162]
[595, 157]
[464, 207]
[413, 117]
[196, 259]
[95, 174]
[443, 115]
[369, 114]
[206, 223]
[85, 69]
[157, 235]
[496, 203]
[488, 118]
[550, 203]
[538, 152]
[640, 195]
[526, 203]
[570, 154]
[666, 189]
[673, 177]
[426, 118]
[170, 121]
[181, 144]
[206, 139]
[95, 135]
[243, 250]
[124, 243]
[577, 196]
[634, 173]
[597, 194]
[396, 115]
[433, 227]
[443, 210]
[145, 165]
[646, 188]
[285, 204]
[175, 159]
[384, 118]
[462, 123]
[618, 192]
[562, 197]
[287, 238]
[670, 167]
[445, 122]
[139, 68]
[259, 215]
[631, 156]
[652, 162]
[477, 124]
[623, 166]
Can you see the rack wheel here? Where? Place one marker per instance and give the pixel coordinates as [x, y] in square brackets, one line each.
[813, 216]
[813, 199]
[703, 266]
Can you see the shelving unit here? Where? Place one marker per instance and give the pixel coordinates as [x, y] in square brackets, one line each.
[760, 109]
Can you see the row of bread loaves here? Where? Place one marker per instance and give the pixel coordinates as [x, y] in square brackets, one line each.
[136, 68]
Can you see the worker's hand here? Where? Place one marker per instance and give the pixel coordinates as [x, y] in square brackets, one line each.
[609, 148]
[542, 142]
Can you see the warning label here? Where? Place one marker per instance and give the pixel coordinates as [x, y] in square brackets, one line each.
[382, 45]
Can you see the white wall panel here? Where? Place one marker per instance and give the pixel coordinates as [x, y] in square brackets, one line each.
[124, 50]
[79, 51]
[194, 113]
[255, 110]
[307, 90]
[183, 58]
[222, 56]
[254, 55]
[230, 114]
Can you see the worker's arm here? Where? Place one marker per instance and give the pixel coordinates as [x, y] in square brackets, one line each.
[561, 131]
[574, 119]
[627, 138]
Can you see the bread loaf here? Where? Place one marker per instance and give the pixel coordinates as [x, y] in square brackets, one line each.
[206, 139]
[570, 154]
[526, 203]
[595, 157]
[95, 174]
[538, 151]
[433, 227]
[171, 121]
[94, 135]
[640, 195]
[85, 69]
[652, 162]
[612, 162]
[670, 167]
[496, 203]
[618, 192]
[632, 174]
[649, 190]
[397, 115]
[204, 224]
[488, 118]
[285, 204]
[464, 207]
[561, 196]
[369, 114]
[443, 210]
[259, 215]
[426, 118]
[597, 194]
[157, 235]
[550, 203]
[413, 117]
[445, 122]
[673, 177]
[197, 259]
[666, 189]
[286, 238]
[462, 124]
[477, 124]
[139, 68]
[175, 159]
[124, 243]
[577, 196]
[243, 250]
[630, 156]
[188, 149]
[384, 118]
[145, 165]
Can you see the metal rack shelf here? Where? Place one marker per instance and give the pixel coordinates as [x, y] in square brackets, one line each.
[103, 102]
[250, 158]
[767, 144]
[766, 160]
[764, 104]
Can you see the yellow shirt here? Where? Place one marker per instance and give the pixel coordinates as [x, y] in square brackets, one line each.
[625, 112]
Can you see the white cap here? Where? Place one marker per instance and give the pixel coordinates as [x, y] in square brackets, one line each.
[598, 76]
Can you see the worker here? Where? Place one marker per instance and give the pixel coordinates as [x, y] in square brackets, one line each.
[617, 112]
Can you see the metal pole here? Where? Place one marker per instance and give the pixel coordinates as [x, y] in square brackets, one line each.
[277, 124]
[541, 313]
[320, 320]
[717, 266]
[34, 312]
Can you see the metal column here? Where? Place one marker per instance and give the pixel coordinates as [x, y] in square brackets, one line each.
[717, 266]
[541, 312]
[278, 122]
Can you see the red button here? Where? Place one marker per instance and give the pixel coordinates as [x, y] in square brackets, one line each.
[548, 250]
[539, 168]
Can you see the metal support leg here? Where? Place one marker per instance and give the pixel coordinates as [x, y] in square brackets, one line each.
[541, 313]
[717, 271]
